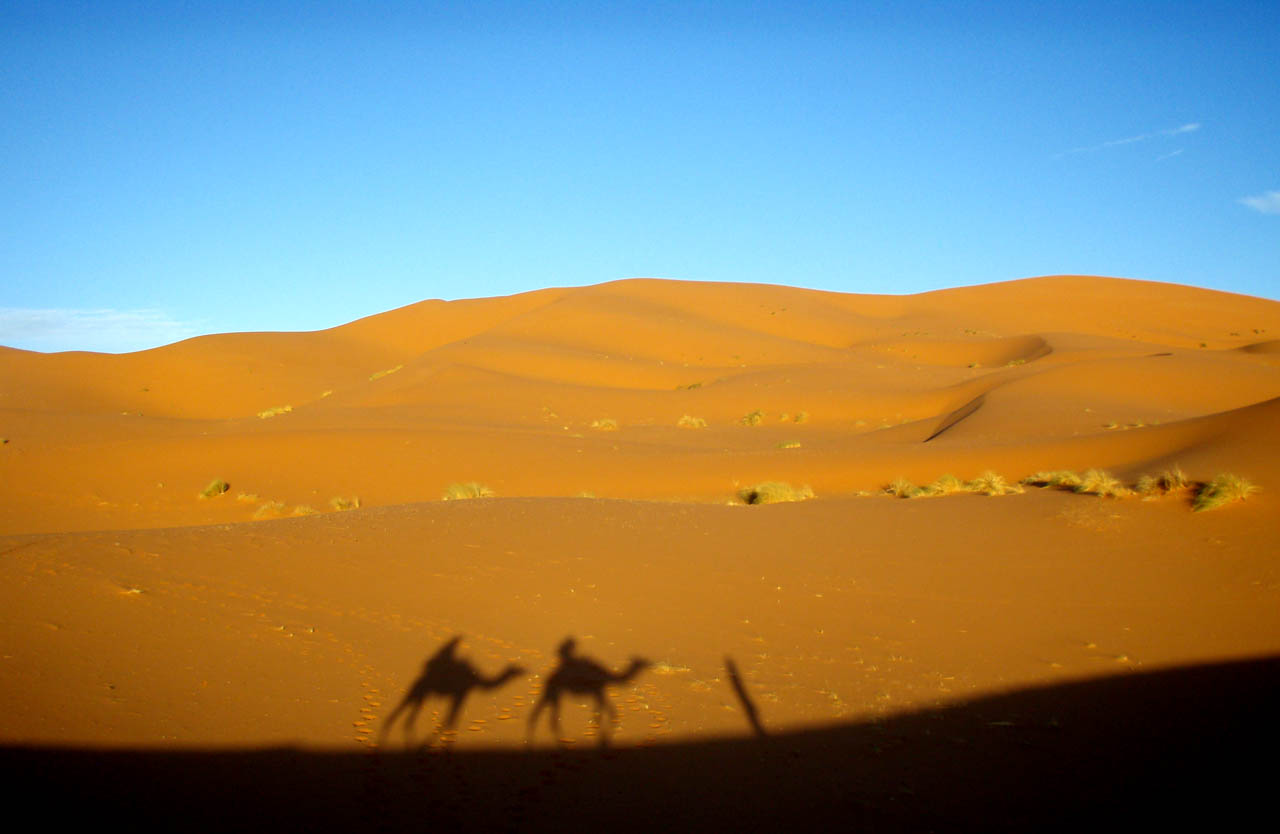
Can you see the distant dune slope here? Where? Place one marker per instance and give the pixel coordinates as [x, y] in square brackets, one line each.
[649, 389]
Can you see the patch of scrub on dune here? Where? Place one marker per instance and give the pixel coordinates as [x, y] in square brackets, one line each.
[275, 411]
[341, 503]
[380, 374]
[752, 419]
[215, 488]
[462, 491]
[774, 492]
[1168, 482]
[691, 422]
[1224, 489]
[605, 424]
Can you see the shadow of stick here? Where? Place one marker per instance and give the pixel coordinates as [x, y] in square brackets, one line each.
[748, 706]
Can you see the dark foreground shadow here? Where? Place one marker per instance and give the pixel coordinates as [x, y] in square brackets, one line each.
[1136, 752]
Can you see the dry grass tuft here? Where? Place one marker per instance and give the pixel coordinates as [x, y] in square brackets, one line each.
[789, 444]
[381, 374]
[271, 509]
[605, 424]
[1169, 481]
[1223, 489]
[690, 422]
[946, 485]
[1061, 478]
[340, 503]
[774, 492]
[275, 411]
[215, 488]
[752, 419]
[304, 509]
[902, 488]
[470, 489]
[1103, 484]
[991, 483]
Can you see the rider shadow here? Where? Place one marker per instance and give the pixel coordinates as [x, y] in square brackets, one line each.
[580, 675]
[449, 676]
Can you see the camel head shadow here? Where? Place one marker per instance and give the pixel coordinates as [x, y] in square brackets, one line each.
[449, 676]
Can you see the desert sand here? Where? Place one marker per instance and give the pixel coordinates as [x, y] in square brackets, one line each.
[260, 649]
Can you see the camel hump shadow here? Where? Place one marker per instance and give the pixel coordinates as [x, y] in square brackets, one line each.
[451, 677]
[581, 675]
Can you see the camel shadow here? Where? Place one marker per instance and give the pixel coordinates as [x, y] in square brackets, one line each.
[580, 675]
[449, 676]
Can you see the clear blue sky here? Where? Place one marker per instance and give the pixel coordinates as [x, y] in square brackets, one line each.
[211, 167]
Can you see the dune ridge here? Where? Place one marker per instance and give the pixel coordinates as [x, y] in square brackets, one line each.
[1067, 371]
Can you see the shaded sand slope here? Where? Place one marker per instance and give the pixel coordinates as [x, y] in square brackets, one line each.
[561, 392]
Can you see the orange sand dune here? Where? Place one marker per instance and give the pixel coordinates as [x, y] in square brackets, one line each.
[524, 394]
[620, 426]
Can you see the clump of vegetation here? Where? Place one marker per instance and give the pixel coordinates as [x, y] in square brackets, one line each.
[690, 422]
[215, 488]
[1223, 489]
[470, 489]
[991, 483]
[774, 492]
[304, 509]
[605, 424]
[340, 503]
[1168, 481]
[752, 419]
[946, 485]
[275, 411]
[902, 488]
[381, 374]
[1061, 478]
[247, 497]
[271, 509]
[1103, 484]
[789, 444]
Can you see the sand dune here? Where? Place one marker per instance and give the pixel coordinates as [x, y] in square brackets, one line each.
[619, 426]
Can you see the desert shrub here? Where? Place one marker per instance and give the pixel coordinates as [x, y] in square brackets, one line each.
[690, 422]
[752, 419]
[605, 424]
[340, 503]
[946, 485]
[1223, 489]
[902, 488]
[1170, 480]
[789, 444]
[304, 509]
[215, 488]
[1062, 478]
[1101, 483]
[275, 411]
[271, 509]
[470, 489]
[992, 483]
[774, 492]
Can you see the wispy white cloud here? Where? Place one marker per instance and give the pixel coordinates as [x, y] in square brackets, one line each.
[1170, 155]
[104, 330]
[1268, 203]
[1189, 127]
